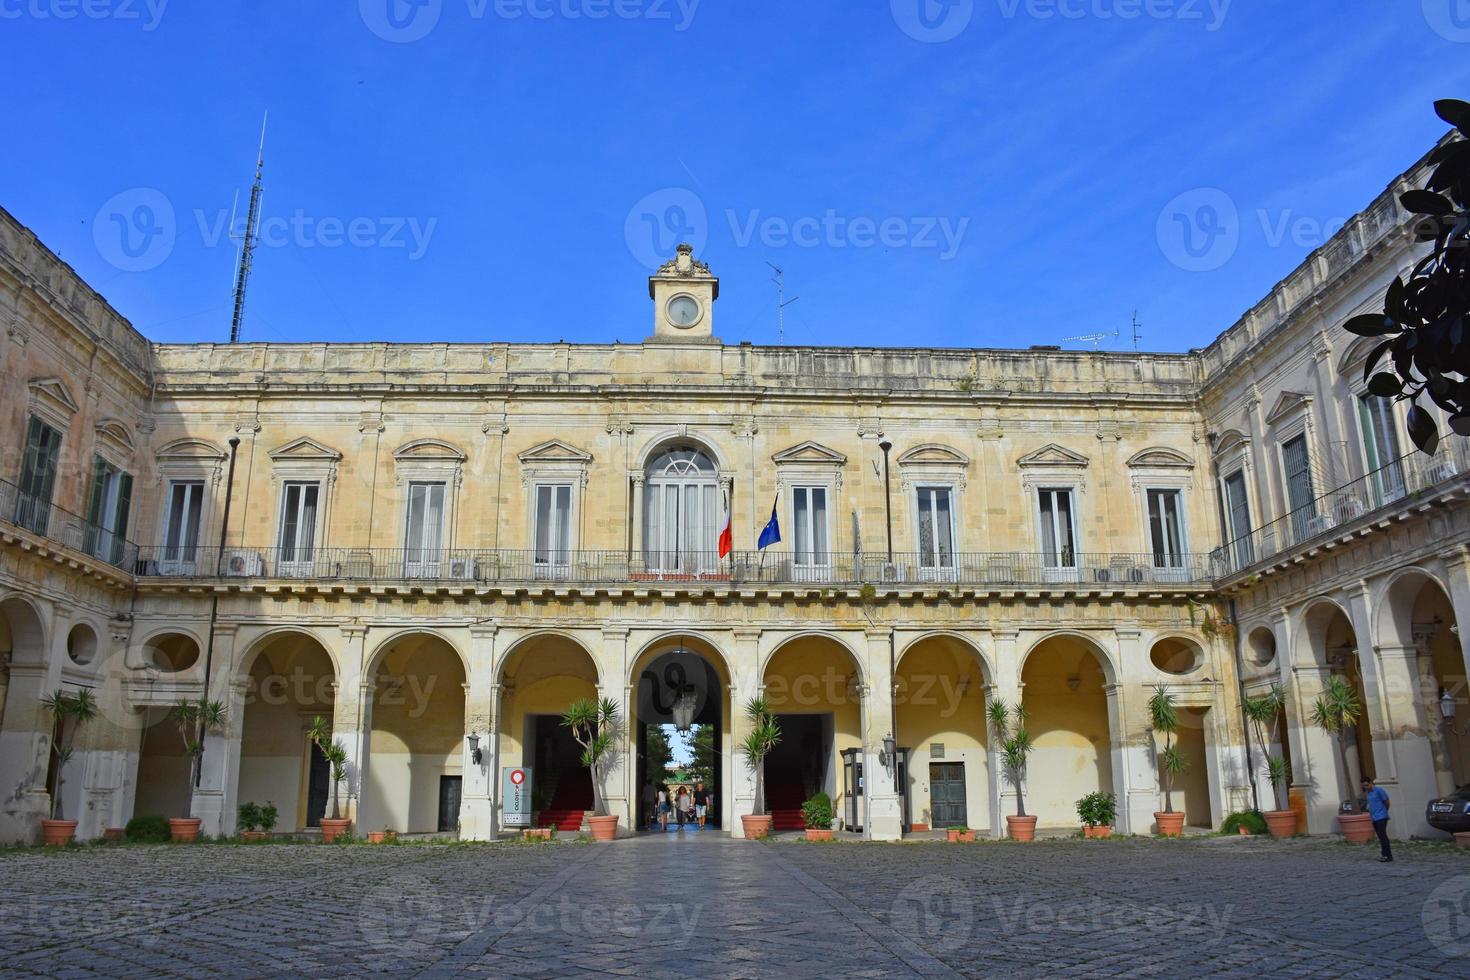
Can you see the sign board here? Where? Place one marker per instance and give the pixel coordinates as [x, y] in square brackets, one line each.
[515, 791]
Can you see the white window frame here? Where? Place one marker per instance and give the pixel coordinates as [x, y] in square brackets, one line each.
[428, 461]
[936, 572]
[817, 565]
[705, 561]
[558, 562]
[185, 461]
[1180, 570]
[1305, 525]
[432, 556]
[1388, 477]
[812, 466]
[297, 565]
[182, 563]
[1058, 572]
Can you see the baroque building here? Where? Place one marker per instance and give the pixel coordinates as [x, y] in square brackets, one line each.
[438, 547]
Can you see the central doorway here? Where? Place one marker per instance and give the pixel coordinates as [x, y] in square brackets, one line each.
[561, 786]
[798, 767]
[947, 794]
[679, 731]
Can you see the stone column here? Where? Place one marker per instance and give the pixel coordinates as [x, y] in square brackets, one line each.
[1132, 743]
[477, 813]
[352, 712]
[1316, 768]
[739, 779]
[25, 747]
[1457, 574]
[1007, 689]
[219, 766]
[635, 545]
[1408, 727]
[885, 810]
[1375, 708]
[612, 672]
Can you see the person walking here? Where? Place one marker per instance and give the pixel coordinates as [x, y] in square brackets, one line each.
[1377, 799]
[663, 806]
[683, 806]
[701, 803]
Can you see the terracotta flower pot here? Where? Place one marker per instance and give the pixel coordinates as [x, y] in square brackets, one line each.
[1462, 841]
[1096, 833]
[1282, 823]
[1243, 830]
[332, 829]
[536, 833]
[1021, 828]
[818, 834]
[755, 827]
[115, 834]
[184, 830]
[376, 836]
[603, 828]
[1170, 824]
[254, 836]
[1357, 828]
[58, 833]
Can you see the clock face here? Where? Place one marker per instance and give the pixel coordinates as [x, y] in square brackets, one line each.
[684, 311]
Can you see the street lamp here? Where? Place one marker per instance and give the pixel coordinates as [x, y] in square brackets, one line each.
[1447, 712]
[889, 752]
[886, 446]
[684, 707]
[473, 740]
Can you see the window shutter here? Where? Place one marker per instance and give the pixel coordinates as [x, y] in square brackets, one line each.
[99, 484]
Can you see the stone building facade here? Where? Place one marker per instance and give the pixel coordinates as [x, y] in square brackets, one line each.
[438, 547]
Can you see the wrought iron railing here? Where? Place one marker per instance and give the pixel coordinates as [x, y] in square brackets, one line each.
[1399, 480]
[45, 519]
[490, 566]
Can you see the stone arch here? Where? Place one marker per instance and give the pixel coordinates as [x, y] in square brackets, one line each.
[1067, 680]
[515, 649]
[662, 440]
[1309, 630]
[26, 625]
[375, 659]
[857, 661]
[267, 637]
[982, 659]
[1394, 600]
[1105, 657]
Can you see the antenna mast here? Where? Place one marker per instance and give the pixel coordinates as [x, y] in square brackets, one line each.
[248, 239]
[781, 301]
[1095, 339]
[1137, 336]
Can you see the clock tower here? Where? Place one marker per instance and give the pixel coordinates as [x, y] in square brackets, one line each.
[683, 291]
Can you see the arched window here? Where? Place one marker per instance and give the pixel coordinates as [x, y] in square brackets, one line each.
[681, 525]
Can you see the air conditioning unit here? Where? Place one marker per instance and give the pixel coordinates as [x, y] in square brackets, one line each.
[892, 572]
[242, 564]
[462, 568]
[1318, 525]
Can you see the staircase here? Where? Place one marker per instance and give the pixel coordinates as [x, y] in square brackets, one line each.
[783, 803]
[573, 798]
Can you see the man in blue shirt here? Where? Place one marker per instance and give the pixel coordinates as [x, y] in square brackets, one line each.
[1377, 800]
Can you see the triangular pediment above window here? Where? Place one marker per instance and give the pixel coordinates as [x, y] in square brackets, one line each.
[554, 451]
[810, 452]
[191, 449]
[53, 394]
[1288, 403]
[933, 452]
[428, 449]
[1052, 455]
[305, 448]
[1161, 457]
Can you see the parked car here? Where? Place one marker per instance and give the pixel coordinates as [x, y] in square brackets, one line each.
[1450, 813]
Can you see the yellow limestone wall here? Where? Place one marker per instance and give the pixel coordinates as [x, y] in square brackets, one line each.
[163, 770]
[417, 735]
[290, 685]
[941, 698]
[1192, 787]
[545, 677]
[1072, 756]
[810, 675]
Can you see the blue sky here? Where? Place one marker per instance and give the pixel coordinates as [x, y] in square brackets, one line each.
[928, 172]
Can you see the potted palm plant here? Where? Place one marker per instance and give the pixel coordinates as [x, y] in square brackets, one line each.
[764, 735]
[1262, 713]
[1009, 725]
[255, 822]
[596, 726]
[1335, 711]
[69, 712]
[816, 813]
[1164, 719]
[194, 720]
[1098, 811]
[335, 754]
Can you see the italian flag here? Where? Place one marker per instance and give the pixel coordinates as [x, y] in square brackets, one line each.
[727, 538]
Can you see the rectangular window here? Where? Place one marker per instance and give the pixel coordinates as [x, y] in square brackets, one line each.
[424, 538]
[298, 527]
[1238, 520]
[1166, 528]
[181, 525]
[107, 511]
[809, 512]
[1058, 528]
[38, 477]
[1381, 449]
[553, 531]
[1300, 496]
[936, 528]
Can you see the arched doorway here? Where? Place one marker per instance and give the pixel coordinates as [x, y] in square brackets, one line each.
[1183, 659]
[939, 701]
[23, 723]
[1334, 648]
[542, 676]
[814, 687]
[1063, 680]
[415, 767]
[165, 768]
[289, 681]
[680, 727]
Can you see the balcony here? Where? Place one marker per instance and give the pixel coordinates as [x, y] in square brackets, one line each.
[1401, 481]
[472, 568]
[46, 520]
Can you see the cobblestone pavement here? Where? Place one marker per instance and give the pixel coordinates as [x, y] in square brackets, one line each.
[703, 905]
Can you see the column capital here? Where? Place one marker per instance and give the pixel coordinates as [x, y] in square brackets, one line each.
[746, 632]
[484, 631]
[618, 632]
[1127, 632]
[352, 631]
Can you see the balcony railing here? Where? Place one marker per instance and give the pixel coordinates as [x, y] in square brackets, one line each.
[45, 519]
[489, 567]
[1401, 479]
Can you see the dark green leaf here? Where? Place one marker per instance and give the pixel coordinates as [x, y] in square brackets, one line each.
[1461, 424]
[1375, 357]
[1370, 325]
[1423, 430]
[1454, 112]
[1385, 385]
[1425, 202]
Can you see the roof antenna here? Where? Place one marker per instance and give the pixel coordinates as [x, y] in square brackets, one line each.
[1137, 336]
[1095, 339]
[248, 238]
[781, 302]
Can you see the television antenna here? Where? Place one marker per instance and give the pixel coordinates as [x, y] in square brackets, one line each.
[781, 301]
[1095, 339]
[248, 238]
[1137, 334]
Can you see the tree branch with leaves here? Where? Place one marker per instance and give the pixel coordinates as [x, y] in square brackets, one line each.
[195, 720]
[1015, 743]
[764, 735]
[1335, 711]
[69, 712]
[1163, 715]
[597, 726]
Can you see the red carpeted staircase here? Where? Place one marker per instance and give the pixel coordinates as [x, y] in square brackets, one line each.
[573, 798]
[783, 803]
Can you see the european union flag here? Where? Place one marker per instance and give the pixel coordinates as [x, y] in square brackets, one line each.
[771, 533]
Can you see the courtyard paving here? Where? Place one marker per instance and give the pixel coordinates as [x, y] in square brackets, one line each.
[703, 905]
